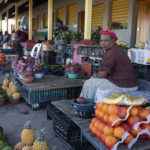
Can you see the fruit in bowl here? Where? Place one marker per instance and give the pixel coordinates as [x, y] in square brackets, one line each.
[27, 79]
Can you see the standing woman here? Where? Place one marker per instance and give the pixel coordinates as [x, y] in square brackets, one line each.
[115, 72]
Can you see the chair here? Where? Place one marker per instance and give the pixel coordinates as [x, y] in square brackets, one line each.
[36, 51]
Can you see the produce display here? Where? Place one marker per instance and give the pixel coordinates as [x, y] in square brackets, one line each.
[121, 43]
[3, 141]
[26, 67]
[140, 45]
[125, 99]
[115, 124]
[73, 69]
[11, 89]
[31, 142]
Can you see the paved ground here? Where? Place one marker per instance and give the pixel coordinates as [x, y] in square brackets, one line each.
[13, 121]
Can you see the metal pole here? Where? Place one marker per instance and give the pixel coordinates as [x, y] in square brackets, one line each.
[30, 19]
[50, 19]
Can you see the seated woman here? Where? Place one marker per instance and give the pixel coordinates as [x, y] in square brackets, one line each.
[115, 73]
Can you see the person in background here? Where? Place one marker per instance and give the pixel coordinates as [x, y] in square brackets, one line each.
[1, 38]
[115, 72]
[6, 44]
[6, 37]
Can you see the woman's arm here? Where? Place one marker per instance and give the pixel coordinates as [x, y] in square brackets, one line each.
[101, 74]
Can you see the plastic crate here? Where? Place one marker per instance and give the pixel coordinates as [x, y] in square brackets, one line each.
[86, 68]
[142, 71]
[46, 96]
[50, 57]
[64, 128]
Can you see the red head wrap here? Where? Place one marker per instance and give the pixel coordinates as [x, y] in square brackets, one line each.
[109, 32]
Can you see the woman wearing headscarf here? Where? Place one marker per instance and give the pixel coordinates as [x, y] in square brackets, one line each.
[115, 72]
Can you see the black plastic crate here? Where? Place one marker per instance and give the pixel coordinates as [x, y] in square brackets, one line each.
[50, 57]
[142, 71]
[64, 128]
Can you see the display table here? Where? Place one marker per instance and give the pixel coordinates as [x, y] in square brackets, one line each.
[49, 88]
[66, 108]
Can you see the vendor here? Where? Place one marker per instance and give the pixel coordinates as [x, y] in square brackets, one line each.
[115, 73]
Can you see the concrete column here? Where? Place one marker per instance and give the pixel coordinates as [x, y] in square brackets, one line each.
[50, 19]
[88, 18]
[65, 15]
[132, 21]
[7, 19]
[107, 14]
[16, 17]
[30, 18]
[0, 22]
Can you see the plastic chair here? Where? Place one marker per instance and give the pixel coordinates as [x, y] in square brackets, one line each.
[36, 51]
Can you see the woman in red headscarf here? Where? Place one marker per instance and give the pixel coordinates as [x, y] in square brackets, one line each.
[115, 73]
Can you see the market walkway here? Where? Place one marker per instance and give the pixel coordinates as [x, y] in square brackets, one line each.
[12, 120]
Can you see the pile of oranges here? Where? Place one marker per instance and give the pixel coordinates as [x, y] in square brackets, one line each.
[106, 114]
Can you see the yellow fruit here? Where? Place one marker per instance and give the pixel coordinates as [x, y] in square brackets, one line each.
[10, 84]
[40, 143]
[14, 89]
[27, 135]
[6, 82]
[113, 99]
[19, 146]
[16, 96]
[133, 100]
[8, 92]
[27, 148]
[4, 87]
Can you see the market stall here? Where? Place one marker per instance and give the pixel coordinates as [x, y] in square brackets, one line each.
[65, 107]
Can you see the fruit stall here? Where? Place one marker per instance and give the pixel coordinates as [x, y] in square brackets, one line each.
[117, 122]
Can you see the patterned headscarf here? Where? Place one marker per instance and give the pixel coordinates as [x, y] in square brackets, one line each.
[109, 32]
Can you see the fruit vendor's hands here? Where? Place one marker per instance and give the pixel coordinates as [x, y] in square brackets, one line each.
[100, 74]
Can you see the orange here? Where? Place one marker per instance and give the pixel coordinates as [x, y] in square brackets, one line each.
[126, 127]
[133, 120]
[135, 132]
[99, 133]
[94, 130]
[112, 109]
[93, 120]
[99, 106]
[91, 126]
[146, 126]
[96, 112]
[108, 130]
[134, 111]
[103, 136]
[144, 113]
[118, 132]
[101, 114]
[128, 139]
[96, 124]
[101, 126]
[106, 117]
[122, 112]
[105, 108]
[110, 140]
[113, 118]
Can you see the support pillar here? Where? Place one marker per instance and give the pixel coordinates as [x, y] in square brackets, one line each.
[16, 17]
[50, 19]
[88, 18]
[7, 20]
[0, 22]
[30, 18]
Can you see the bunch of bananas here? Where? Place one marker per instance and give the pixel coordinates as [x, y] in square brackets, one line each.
[121, 43]
[140, 45]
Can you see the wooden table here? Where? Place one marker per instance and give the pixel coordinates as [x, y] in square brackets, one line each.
[66, 107]
[40, 89]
